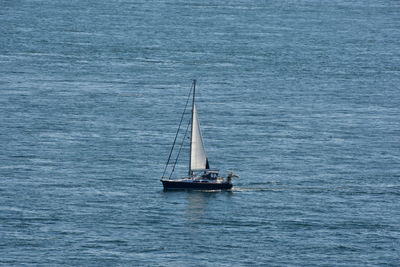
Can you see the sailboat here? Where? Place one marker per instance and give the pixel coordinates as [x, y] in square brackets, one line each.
[200, 176]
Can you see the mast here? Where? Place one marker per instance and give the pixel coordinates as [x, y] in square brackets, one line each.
[191, 132]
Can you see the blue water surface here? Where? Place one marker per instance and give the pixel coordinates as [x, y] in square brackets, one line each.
[300, 98]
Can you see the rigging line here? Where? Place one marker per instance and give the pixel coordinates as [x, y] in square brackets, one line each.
[180, 148]
[177, 132]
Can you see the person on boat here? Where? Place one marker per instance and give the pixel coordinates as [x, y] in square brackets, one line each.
[209, 175]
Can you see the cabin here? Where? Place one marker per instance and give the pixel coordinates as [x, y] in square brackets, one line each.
[210, 174]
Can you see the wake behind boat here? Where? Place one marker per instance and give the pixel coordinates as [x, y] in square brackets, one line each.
[200, 176]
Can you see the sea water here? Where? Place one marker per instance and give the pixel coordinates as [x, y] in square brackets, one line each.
[300, 98]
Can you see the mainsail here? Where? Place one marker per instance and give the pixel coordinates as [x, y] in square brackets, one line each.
[198, 154]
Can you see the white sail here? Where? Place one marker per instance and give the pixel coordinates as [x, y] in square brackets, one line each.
[198, 153]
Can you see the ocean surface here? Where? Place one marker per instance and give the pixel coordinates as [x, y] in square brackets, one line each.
[301, 98]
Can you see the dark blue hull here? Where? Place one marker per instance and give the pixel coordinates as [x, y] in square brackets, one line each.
[170, 184]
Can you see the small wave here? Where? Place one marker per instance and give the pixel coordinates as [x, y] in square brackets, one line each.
[253, 189]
